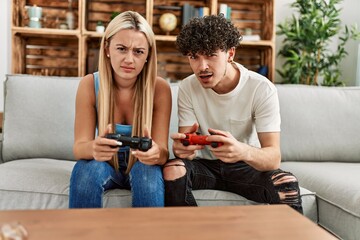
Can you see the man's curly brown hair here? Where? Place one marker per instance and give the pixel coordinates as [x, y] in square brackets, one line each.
[206, 35]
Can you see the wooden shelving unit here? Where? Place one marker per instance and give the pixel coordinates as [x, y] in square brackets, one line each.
[53, 51]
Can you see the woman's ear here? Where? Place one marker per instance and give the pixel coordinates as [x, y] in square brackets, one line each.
[107, 53]
[106, 49]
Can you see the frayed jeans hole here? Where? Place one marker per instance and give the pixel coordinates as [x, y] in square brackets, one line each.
[288, 189]
[173, 171]
[279, 178]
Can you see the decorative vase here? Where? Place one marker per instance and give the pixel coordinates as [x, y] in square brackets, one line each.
[70, 19]
[35, 14]
[100, 28]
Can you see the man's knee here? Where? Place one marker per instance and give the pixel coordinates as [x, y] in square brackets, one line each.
[173, 170]
[288, 189]
[287, 186]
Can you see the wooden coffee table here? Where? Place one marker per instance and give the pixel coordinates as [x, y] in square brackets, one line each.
[218, 223]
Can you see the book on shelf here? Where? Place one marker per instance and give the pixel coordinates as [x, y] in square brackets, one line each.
[263, 70]
[253, 37]
[206, 11]
[167, 7]
[225, 10]
[203, 11]
[189, 11]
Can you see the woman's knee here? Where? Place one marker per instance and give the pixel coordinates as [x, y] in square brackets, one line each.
[173, 170]
[141, 170]
[148, 176]
[89, 171]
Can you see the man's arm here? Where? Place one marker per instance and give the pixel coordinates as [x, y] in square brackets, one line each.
[266, 158]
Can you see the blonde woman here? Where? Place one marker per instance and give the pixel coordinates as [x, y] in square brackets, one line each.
[125, 96]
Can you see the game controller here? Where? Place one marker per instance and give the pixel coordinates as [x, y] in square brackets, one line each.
[196, 139]
[141, 143]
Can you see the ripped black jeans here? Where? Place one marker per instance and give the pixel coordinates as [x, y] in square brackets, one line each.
[239, 178]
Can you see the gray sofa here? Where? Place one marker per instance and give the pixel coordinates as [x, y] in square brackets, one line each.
[319, 145]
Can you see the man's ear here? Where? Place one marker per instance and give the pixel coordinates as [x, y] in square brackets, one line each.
[231, 54]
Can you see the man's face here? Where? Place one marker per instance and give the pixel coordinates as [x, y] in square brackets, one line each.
[209, 69]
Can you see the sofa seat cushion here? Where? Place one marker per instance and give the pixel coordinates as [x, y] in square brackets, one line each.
[35, 184]
[42, 183]
[337, 187]
[216, 198]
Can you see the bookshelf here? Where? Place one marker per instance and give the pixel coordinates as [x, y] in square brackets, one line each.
[50, 50]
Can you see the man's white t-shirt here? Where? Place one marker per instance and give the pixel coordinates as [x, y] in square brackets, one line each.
[251, 107]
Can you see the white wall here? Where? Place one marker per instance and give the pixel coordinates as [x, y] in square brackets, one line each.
[5, 53]
[349, 16]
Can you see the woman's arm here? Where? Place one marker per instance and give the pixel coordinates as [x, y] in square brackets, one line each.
[161, 118]
[85, 118]
[159, 153]
[86, 146]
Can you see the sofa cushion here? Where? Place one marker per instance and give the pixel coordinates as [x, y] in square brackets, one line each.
[318, 121]
[44, 184]
[48, 116]
[35, 184]
[174, 122]
[337, 187]
[216, 197]
[39, 117]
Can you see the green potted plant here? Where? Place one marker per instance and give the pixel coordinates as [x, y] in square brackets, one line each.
[113, 15]
[308, 35]
[100, 27]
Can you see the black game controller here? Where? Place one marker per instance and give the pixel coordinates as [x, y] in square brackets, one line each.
[141, 143]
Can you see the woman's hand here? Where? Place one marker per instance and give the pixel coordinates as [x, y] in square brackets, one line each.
[103, 148]
[151, 156]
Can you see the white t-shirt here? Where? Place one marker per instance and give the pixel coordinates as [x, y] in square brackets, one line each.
[251, 107]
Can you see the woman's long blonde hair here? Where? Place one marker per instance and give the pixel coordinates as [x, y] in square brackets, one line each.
[144, 86]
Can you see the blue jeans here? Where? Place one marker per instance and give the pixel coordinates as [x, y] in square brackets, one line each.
[90, 179]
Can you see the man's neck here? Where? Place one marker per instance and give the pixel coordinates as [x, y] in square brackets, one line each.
[229, 81]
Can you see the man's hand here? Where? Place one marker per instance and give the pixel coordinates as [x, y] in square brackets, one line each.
[181, 151]
[232, 151]
[266, 158]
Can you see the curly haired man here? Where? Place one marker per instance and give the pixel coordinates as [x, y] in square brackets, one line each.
[231, 105]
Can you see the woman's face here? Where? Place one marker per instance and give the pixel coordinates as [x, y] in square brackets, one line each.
[128, 51]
